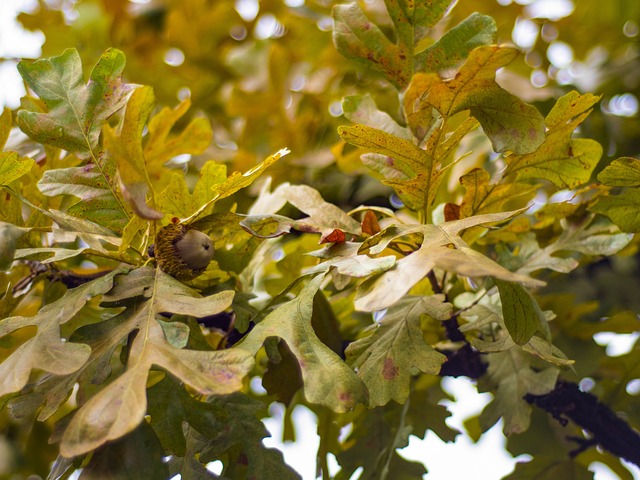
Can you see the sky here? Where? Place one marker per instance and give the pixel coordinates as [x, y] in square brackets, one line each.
[485, 460]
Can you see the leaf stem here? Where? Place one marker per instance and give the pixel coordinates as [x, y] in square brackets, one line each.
[323, 431]
[434, 282]
[107, 179]
[432, 151]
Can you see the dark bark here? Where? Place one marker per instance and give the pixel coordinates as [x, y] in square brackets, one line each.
[567, 402]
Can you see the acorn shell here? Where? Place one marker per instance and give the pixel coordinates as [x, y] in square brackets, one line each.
[183, 251]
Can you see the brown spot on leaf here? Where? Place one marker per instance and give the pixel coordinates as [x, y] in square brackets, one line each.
[243, 459]
[451, 212]
[345, 397]
[370, 225]
[389, 370]
[532, 133]
[336, 236]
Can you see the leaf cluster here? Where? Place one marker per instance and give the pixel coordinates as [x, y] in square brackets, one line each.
[352, 310]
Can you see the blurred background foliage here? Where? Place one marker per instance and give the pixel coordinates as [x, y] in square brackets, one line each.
[267, 76]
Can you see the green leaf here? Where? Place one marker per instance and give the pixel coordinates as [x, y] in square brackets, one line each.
[622, 322]
[9, 236]
[590, 238]
[239, 439]
[176, 199]
[413, 19]
[224, 428]
[405, 157]
[176, 333]
[46, 350]
[125, 147]
[323, 216]
[454, 46]
[622, 209]
[596, 238]
[327, 379]
[162, 146]
[360, 40]
[282, 378]
[170, 405]
[267, 226]
[345, 259]
[511, 124]
[98, 201]
[138, 455]
[425, 411]
[441, 247]
[522, 315]
[76, 111]
[549, 468]
[488, 317]
[6, 122]
[513, 377]
[622, 172]
[394, 347]
[362, 109]
[481, 196]
[12, 166]
[211, 174]
[562, 160]
[48, 254]
[237, 181]
[407, 168]
[120, 407]
[79, 226]
[372, 445]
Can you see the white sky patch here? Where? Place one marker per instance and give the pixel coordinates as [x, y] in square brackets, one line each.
[551, 9]
[174, 57]
[560, 54]
[622, 105]
[15, 42]
[247, 9]
[268, 26]
[525, 33]
[301, 454]
[617, 343]
[486, 459]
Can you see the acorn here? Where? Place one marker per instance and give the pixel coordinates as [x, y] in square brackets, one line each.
[182, 251]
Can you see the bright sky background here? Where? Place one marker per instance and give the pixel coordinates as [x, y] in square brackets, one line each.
[486, 460]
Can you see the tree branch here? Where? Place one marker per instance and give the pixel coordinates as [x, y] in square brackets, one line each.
[609, 431]
[565, 402]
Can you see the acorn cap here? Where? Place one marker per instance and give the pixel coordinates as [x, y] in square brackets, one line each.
[183, 251]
